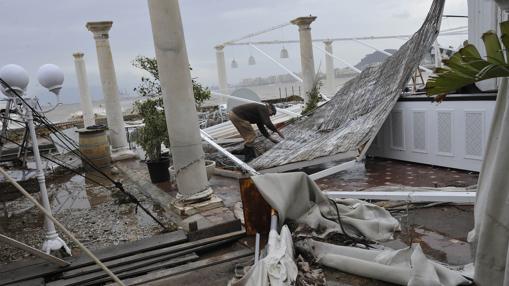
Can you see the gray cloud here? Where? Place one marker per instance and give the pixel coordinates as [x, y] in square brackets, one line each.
[34, 32]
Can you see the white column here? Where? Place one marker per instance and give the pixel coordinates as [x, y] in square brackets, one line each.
[306, 53]
[221, 70]
[86, 102]
[180, 110]
[482, 17]
[116, 125]
[329, 69]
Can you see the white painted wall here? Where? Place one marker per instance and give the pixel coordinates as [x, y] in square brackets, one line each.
[450, 134]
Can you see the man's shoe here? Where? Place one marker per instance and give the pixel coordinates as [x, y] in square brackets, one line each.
[250, 153]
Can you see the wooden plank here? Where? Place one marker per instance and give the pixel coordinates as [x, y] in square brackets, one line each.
[105, 254]
[131, 248]
[128, 270]
[31, 282]
[218, 229]
[180, 248]
[34, 251]
[162, 274]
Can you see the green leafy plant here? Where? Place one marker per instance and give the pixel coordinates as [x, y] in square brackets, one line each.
[467, 66]
[314, 97]
[154, 133]
[150, 85]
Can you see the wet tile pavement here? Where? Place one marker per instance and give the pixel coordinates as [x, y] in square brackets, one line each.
[379, 172]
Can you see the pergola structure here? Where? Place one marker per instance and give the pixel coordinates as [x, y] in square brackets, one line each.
[307, 43]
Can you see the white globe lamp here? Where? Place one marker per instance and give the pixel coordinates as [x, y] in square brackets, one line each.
[15, 76]
[51, 77]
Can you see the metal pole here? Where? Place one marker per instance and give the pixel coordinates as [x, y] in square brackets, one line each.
[339, 59]
[232, 157]
[52, 240]
[277, 63]
[5, 122]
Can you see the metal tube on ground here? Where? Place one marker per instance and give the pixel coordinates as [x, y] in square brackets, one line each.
[232, 157]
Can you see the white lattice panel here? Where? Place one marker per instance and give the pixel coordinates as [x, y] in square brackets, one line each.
[397, 130]
[451, 134]
[419, 130]
[474, 128]
[444, 132]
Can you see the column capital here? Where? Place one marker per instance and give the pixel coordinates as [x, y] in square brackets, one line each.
[100, 29]
[78, 55]
[303, 22]
[327, 42]
[219, 48]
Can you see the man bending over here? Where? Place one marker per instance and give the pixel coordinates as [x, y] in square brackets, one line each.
[244, 115]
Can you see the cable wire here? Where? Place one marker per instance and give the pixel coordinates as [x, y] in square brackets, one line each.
[50, 126]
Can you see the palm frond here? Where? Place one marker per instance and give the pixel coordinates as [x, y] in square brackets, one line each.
[467, 66]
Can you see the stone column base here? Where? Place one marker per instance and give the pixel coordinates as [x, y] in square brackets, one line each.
[194, 208]
[122, 154]
[199, 202]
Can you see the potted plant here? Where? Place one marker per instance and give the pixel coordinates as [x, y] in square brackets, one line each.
[151, 110]
[151, 136]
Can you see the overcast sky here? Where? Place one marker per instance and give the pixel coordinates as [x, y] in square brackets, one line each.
[35, 32]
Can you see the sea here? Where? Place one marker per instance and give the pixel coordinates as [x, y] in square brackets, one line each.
[65, 112]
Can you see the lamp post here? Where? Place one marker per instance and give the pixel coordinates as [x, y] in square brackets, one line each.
[51, 77]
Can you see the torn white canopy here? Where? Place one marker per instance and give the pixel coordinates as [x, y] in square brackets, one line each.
[351, 119]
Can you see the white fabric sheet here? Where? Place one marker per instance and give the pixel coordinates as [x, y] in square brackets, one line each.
[408, 266]
[278, 268]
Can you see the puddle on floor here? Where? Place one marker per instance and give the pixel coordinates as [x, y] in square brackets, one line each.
[438, 246]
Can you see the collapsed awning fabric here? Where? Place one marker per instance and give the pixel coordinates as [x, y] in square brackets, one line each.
[408, 266]
[358, 110]
[295, 196]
